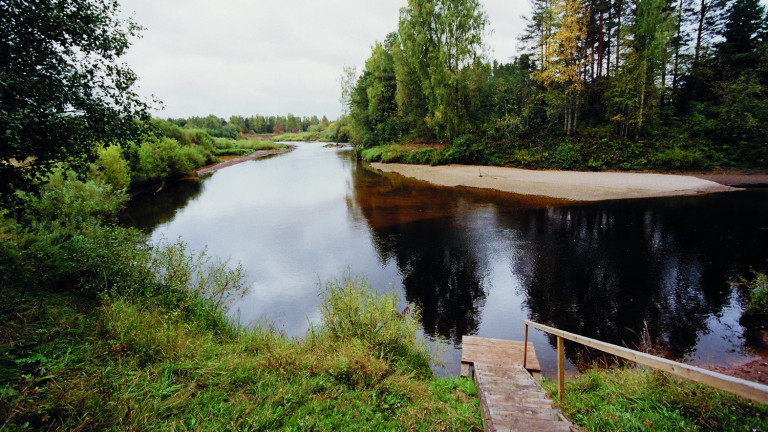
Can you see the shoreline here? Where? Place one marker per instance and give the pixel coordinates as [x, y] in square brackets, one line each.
[259, 154]
[574, 185]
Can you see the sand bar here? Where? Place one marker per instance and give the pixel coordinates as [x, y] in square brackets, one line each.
[571, 185]
[255, 155]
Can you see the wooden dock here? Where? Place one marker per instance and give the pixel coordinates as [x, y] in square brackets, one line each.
[510, 398]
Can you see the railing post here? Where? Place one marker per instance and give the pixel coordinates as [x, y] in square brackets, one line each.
[525, 349]
[560, 368]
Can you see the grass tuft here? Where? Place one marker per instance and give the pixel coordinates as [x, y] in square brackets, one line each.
[634, 399]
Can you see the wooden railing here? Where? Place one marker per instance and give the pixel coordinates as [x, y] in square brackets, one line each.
[746, 389]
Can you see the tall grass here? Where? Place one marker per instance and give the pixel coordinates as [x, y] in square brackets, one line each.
[634, 399]
[117, 334]
[227, 147]
[354, 313]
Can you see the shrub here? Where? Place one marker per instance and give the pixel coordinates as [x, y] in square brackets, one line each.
[71, 203]
[527, 157]
[112, 168]
[755, 297]
[463, 150]
[352, 311]
[166, 158]
[568, 155]
[678, 158]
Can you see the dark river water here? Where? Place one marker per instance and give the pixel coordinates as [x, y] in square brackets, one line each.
[639, 273]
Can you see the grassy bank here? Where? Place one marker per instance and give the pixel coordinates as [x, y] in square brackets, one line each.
[241, 147]
[103, 331]
[633, 399]
[114, 364]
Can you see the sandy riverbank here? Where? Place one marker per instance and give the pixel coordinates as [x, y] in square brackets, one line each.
[571, 185]
[255, 155]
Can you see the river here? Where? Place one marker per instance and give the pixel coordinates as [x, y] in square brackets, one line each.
[649, 273]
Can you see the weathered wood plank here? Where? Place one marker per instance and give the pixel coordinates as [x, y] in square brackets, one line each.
[497, 351]
[512, 401]
[747, 389]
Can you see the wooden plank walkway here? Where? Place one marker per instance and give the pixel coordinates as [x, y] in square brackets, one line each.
[511, 400]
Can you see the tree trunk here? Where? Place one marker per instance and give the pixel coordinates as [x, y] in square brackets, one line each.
[700, 30]
[678, 42]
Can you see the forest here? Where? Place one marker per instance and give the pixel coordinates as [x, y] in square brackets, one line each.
[599, 84]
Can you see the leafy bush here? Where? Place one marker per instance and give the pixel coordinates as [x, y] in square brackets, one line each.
[188, 276]
[678, 158]
[73, 204]
[351, 310]
[112, 168]
[755, 296]
[166, 158]
[464, 150]
[568, 154]
[527, 157]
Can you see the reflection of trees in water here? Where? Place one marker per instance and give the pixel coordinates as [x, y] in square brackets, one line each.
[607, 271]
[146, 210]
[440, 273]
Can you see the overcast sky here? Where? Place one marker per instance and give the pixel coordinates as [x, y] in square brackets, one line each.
[248, 57]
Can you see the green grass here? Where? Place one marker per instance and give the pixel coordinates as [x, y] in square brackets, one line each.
[754, 295]
[100, 330]
[299, 136]
[631, 399]
[231, 147]
[116, 364]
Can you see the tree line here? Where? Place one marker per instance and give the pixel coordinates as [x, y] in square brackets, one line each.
[257, 124]
[606, 83]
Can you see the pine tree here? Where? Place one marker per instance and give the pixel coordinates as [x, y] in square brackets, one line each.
[742, 31]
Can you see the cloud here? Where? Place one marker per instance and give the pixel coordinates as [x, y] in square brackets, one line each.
[256, 57]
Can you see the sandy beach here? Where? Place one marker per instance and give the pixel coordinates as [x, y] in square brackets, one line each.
[570, 185]
[255, 155]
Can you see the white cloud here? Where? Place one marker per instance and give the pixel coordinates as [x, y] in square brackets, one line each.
[258, 57]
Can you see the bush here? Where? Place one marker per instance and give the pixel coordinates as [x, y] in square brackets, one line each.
[166, 158]
[755, 297]
[464, 151]
[678, 158]
[568, 155]
[352, 311]
[71, 203]
[112, 168]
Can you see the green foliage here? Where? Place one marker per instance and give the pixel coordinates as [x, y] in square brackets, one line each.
[64, 87]
[639, 399]
[133, 366]
[568, 154]
[622, 75]
[112, 168]
[165, 158]
[73, 204]
[352, 311]
[186, 277]
[679, 159]
[754, 293]
[337, 131]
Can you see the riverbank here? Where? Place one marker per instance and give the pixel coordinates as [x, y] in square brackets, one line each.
[569, 185]
[255, 155]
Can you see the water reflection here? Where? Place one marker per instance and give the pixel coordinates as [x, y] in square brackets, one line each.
[147, 210]
[612, 271]
[428, 232]
[660, 264]
[477, 262]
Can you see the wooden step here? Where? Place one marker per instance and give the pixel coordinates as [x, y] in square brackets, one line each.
[511, 400]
